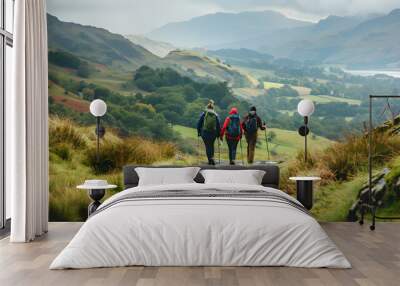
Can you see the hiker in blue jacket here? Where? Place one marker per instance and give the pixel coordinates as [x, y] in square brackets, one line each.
[208, 127]
[251, 123]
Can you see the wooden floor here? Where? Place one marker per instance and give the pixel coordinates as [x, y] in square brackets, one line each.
[375, 257]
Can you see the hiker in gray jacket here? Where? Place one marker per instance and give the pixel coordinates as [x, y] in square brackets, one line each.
[208, 127]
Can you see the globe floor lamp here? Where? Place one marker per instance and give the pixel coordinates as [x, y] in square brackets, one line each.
[305, 108]
[98, 108]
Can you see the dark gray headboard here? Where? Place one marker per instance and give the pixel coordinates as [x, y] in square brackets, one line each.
[271, 178]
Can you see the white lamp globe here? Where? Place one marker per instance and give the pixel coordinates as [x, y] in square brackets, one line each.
[305, 108]
[98, 107]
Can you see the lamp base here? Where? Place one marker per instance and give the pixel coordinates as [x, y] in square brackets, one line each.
[96, 195]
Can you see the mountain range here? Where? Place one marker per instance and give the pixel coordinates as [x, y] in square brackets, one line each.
[354, 41]
[220, 28]
[99, 46]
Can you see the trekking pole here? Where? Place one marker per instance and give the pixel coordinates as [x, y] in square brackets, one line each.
[241, 150]
[198, 150]
[219, 152]
[266, 141]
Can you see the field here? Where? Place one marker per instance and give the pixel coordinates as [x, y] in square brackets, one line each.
[328, 99]
[248, 92]
[284, 146]
[304, 92]
[268, 85]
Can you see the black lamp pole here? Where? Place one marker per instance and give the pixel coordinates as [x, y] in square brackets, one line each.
[303, 131]
[98, 108]
[100, 131]
[98, 139]
[305, 138]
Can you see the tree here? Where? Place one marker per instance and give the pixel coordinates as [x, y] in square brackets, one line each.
[64, 59]
[88, 93]
[83, 70]
[101, 93]
[145, 84]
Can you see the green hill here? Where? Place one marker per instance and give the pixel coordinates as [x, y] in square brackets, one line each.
[118, 53]
[199, 66]
[96, 45]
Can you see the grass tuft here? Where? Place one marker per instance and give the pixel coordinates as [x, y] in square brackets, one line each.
[64, 131]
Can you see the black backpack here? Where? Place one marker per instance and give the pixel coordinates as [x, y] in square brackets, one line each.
[251, 124]
[233, 129]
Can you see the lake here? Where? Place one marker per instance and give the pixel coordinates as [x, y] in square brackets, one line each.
[393, 73]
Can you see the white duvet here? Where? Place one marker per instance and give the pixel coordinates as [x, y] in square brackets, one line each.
[200, 232]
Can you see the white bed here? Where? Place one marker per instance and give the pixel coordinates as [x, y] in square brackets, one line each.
[201, 231]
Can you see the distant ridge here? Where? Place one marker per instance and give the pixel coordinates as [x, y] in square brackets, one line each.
[369, 41]
[96, 44]
[157, 48]
[220, 28]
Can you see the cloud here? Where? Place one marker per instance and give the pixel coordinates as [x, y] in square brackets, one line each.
[318, 7]
[128, 16]
[141, 16]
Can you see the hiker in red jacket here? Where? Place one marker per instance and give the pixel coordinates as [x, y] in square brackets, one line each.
[234, 131]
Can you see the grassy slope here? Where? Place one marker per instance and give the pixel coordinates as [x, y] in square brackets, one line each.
[66, 202]
[204, 66]
[110, 78]
[332, 202]
[285, 145]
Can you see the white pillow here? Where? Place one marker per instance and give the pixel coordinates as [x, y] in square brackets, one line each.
[166, 176]
[243, 177]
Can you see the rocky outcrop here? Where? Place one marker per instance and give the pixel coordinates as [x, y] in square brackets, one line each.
[382, 183]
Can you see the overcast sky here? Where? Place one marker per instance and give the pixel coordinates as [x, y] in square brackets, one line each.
[142, 16]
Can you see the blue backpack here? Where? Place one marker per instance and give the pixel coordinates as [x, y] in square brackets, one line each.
[233, 129]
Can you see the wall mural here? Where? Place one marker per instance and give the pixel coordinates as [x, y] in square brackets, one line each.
[158, 80]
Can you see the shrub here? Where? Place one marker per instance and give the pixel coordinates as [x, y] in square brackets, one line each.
[63, 131]
[68, 205]
[344, 159]
[115, 155]
[62, 150]
[168, 150]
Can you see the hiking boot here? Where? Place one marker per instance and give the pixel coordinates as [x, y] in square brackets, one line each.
[232, 163]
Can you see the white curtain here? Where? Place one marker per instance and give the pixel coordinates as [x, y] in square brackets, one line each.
[27, 124]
